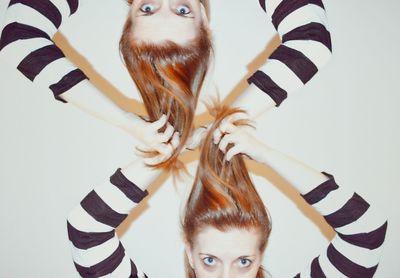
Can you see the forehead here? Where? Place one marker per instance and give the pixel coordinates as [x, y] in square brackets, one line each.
[231, 243]
[165, 24]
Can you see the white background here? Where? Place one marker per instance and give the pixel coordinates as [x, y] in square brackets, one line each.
[345, 121]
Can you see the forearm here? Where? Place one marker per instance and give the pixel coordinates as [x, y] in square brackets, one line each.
[356, 249]
[96, 248]
[86, 97]
[301, 176]
[26, 44]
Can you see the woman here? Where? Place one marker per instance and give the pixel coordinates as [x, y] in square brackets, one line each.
[219, 216]
[26, 43]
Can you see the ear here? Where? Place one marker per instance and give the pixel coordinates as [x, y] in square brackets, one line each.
[189, 256]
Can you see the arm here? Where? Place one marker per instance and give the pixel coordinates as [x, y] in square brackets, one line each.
[96, 249]
[26, 44]
[360, 229]
[305, 48]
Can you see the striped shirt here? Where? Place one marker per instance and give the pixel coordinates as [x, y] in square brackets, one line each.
[26, 43]
[354, 252]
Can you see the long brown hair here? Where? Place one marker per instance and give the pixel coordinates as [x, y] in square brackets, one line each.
[223, 195]
[169, 78]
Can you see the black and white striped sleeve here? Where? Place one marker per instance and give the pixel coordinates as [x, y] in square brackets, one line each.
[96, 249]
[306, 46]
[26, 43]
[360, 232]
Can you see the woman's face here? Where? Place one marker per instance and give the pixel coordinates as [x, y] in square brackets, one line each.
[156, 21]
[229, 254]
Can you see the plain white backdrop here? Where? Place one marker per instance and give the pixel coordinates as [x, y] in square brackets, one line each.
[345, 121]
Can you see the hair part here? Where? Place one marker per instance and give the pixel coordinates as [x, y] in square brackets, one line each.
[223, 195]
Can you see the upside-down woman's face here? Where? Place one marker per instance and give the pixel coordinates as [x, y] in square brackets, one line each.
[156, 21]
[230, 254]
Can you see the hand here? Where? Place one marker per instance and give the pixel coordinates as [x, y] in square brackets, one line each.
[229, 124]
[161, 157]
[151, 140]
[243, 143]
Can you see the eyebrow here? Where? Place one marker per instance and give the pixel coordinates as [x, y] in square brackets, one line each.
[247, 256]
[240, 257]
[206, 254]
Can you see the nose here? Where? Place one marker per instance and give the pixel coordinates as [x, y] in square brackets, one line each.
[227, 273]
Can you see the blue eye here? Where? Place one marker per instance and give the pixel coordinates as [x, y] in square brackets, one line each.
[147, 8]
[183, 10]
[210, 261]
[244, 263]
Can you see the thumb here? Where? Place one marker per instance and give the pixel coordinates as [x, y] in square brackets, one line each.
[194, 141]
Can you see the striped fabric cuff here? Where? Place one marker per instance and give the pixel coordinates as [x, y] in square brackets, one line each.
[67, 82]
[131, 190]
[321, 191]
[268, 86]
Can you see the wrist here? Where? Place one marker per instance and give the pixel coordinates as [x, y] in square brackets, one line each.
[266, 154]
[130, 122]
[146, 177]
[254, 101]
